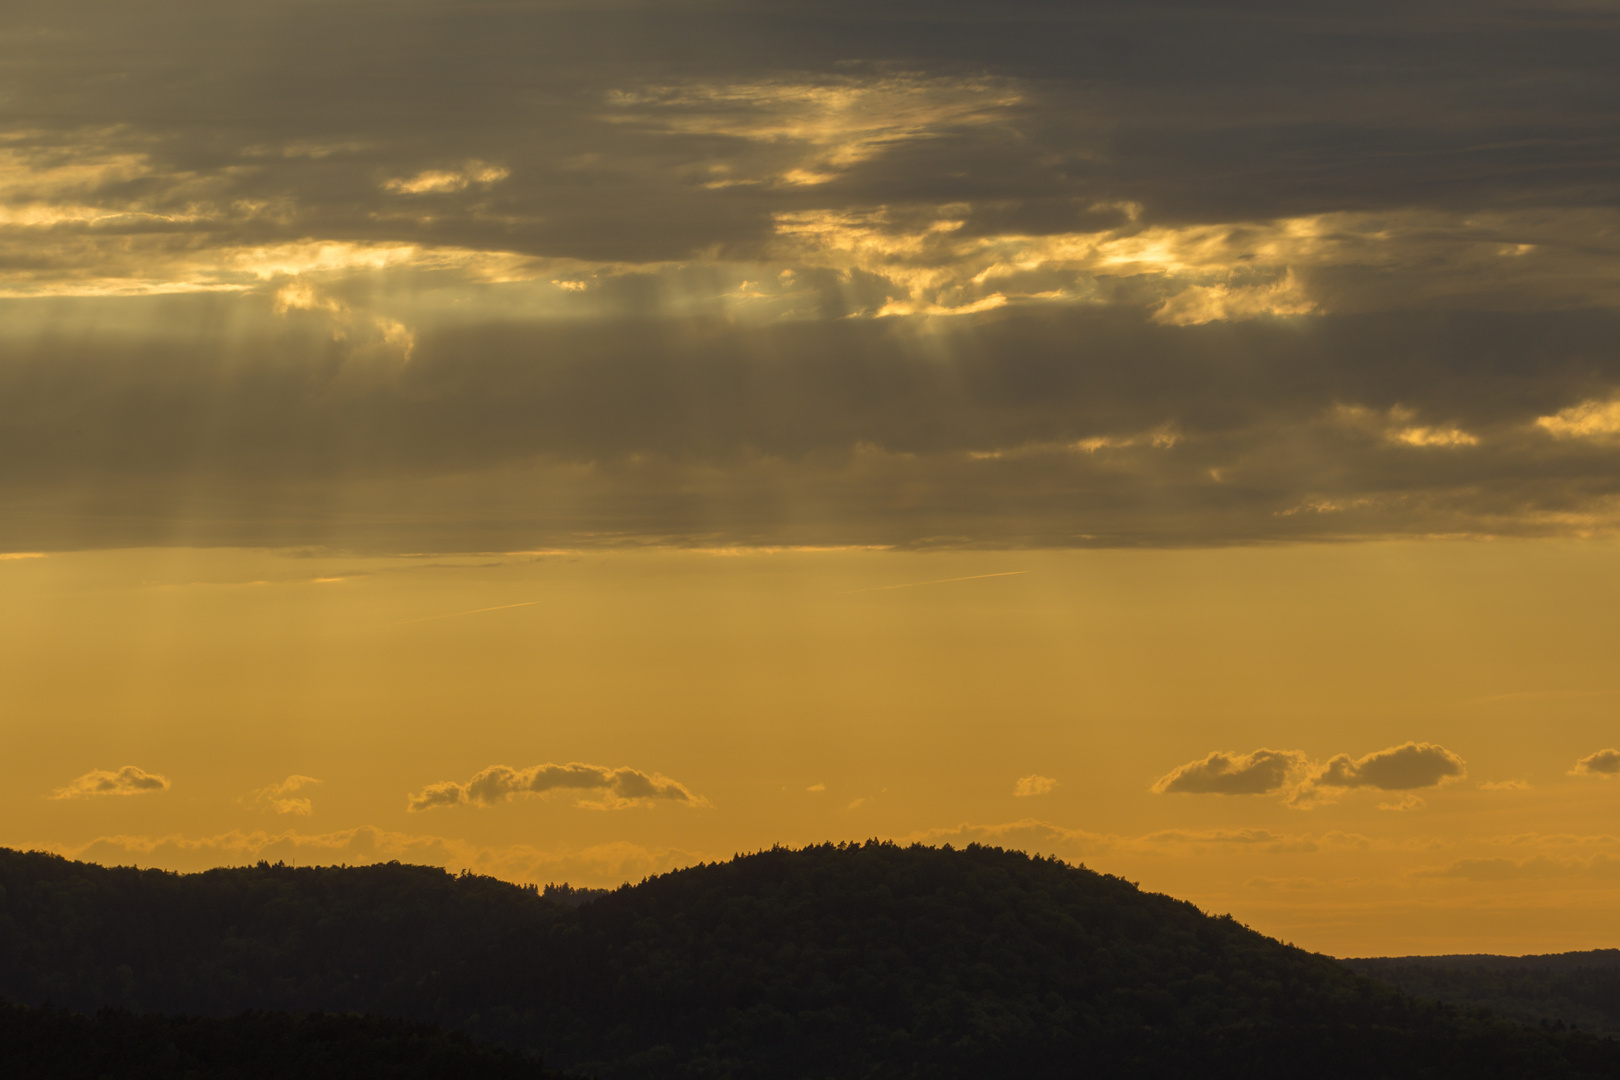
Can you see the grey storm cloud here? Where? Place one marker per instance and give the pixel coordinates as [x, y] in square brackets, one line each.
[615, 788]
[906, 273]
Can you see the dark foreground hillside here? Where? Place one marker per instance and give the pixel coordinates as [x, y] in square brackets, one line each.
[116, 1045]
[1579, 988]
[859, 960]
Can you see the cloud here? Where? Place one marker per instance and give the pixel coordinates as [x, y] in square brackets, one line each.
[128, 780]
[1403, 768]
[1221, 773]
[1034, 785]
[1504, 785]
[616, 788]
[444, 181]
[1604, 763]
[283, 798]
[881, 277]
[1400, 768]
[1586, 420]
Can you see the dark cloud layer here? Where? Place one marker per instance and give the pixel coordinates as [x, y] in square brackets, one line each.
[1198, 111]
[491, 276]
[1079, 427]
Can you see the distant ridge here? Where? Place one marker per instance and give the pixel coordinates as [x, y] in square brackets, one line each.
[1580, 989]
[853, 960]
[1567, 961]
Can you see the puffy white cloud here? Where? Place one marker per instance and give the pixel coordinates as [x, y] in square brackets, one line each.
[1224, 773]
[129, 780]
[1601, 763]
[617, 788]
[1034, 785]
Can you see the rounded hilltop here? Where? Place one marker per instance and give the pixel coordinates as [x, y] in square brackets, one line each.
[863, 959]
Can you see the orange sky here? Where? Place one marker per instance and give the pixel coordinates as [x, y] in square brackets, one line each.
[795, 696]
[572, 439]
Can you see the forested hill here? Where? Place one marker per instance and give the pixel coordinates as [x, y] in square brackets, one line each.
[856, 960]
[1581, 988]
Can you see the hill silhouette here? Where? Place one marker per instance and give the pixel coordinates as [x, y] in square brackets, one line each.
[831, 961]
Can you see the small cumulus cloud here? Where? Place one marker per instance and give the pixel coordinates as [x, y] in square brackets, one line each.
[1400, 768]
[1605, 763]
[283, 798]
[1504, 785]
[1034, 785]
[1225, 773]
[1403, 768]
[816, 787]
[129, 780]
[616, 789]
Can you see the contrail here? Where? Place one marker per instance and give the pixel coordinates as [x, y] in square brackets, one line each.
[938, 581]
[456, 614]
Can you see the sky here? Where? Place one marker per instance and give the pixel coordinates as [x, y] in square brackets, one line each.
[571, 441]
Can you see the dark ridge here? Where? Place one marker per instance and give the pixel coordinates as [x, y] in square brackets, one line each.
[565, 893]
[855, 960]
[1568, 961]
[1576, 989]
[48, 1043]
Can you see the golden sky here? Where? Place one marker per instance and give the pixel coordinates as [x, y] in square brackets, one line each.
[574, 440]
